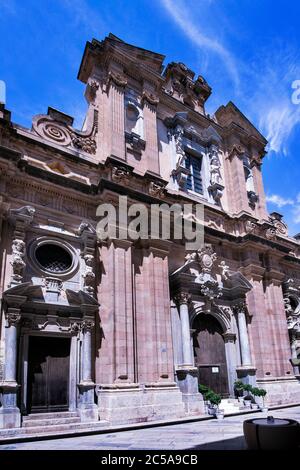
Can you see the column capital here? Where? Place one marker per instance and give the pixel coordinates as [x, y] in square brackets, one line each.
[229, 337]
[88, 324]
[182, 298]
[239, 306]
[12, 316]
[150, 98]
[117, 79]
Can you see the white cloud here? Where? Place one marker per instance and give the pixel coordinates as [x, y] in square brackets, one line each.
[263, 83]
[182, 17]
[296, 213]
[279, 201]
[272, 104]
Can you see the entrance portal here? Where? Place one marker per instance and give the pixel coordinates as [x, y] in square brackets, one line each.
[210, 356]
[48, 374]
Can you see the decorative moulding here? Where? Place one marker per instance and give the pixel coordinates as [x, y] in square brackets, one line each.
[57, 127]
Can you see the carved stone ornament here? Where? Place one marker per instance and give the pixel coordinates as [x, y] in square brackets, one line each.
[252, 198]
[151, 98]
[57, 128]
[209, 285]
[180, 84]
[17, 262]
[117, 78]
[53, 284]
[239, 306]
[182, 298]
[292, 305]
[207, 258]
[85, 227]
[180, 172]
[88, 324]
[249, 226]
[135, 141]
[20, 218]
[120, 174]
[12, 318]
[92, 89]
[75, 328]
[89, 275]
[235, 150]
[216, 187]
[271, 233]
[280, 226]
[157, 190]
[224, 269]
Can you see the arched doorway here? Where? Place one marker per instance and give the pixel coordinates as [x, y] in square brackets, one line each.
[209, 352]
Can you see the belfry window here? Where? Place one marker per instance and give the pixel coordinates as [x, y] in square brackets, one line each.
[194, 180]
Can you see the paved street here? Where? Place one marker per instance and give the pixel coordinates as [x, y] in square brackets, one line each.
[213, 434]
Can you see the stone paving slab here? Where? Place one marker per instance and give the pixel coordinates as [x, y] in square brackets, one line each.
[200, 435]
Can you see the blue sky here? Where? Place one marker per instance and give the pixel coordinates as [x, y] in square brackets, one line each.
[248, 51]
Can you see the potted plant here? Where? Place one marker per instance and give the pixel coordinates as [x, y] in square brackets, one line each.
[248, 399]
[239, 390]
[255, 392]
[215, 400]
[262, 394]
[204, 390]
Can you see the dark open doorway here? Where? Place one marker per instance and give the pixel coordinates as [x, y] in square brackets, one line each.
[48, 374]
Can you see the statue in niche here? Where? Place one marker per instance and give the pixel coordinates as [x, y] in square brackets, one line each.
[215, 172]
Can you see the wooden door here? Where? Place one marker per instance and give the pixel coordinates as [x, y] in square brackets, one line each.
[209, 351]
[48, 374]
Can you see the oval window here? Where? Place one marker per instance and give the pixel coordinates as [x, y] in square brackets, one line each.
[53, 258]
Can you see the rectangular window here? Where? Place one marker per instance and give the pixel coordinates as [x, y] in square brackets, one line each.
[194, 180]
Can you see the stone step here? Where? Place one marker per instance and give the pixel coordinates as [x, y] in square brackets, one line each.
[49, 422]
[53, 429]
[50, 415]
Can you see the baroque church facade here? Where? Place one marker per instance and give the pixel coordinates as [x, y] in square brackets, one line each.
[122, 331]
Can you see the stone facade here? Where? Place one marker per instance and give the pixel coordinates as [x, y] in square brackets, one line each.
[132, 311]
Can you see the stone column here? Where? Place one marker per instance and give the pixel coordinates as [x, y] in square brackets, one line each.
[239, 199]
[246, 370]
[244, 340]
[150, 102]
[116, 86]
[230, 350]
[187, 373]
[10, 416]
[88, 410]
[185, 330]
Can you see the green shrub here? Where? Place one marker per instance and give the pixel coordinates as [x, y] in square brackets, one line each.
[203, 389]
[210, 395]
[215, 398]
[248, 388]
[239, 385]
[256, 391]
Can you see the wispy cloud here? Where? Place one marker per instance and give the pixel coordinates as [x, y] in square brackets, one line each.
[279, 201]
[271, 104]
[293, 206]
[262, 84]
[182, 17]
